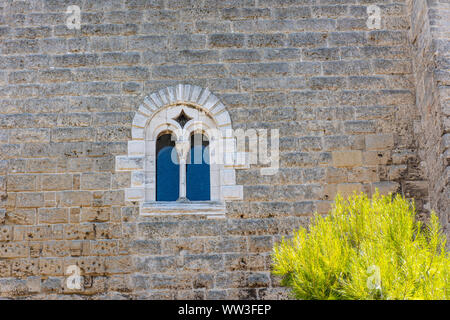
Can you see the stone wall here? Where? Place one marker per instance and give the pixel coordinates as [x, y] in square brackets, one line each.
[343, 97]
[431, 49]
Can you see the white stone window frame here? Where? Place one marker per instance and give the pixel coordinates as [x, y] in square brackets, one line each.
[154, 117]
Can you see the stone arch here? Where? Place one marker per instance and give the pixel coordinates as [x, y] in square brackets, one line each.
[180, 94]
[155, 115]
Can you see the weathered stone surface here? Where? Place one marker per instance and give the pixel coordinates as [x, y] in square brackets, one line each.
[53, 215]
[347, 158]
[429, 33]
[357, 110]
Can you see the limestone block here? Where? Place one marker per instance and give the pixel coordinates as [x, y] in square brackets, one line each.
[204, 96]
[226, 40]
[50, 182]
[95, 181]
[5, 233]
[25, 267]
[34, 284]
[74, 198]
[21, 182]
[2, 216]
[223, 118]
[233, 192]
[347, 189]
[30, 200]
[242, 262]
[79, 232]
[179, 89]
[218, 108]
[126, 163]
[363, 175]
[260, 243]
[138, 178]
[415, 189]
[14, 250]
[95, 214]
[104, 247]
[163, 96]
[145, 111]
[124, 264]
[52, 285]
[195, 93]
[51, 266]
[228, 177]
[5, 268]
[40, 232]
[13, 286]
[385, 187]
[350, 158]
[137, 133]
[53, 215]
[140, 120]
[323, 206]
[187, 92]
[136, 148]
[36, 249]
[54, 249]
[134, 194]
[379, 141]
[211, 102]
[72, 134]
[171, 95]
[397, 171]
[150, 104]
[21, 216]
[373, 158]
[203, 262]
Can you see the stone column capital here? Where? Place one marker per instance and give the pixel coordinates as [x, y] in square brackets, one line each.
[182, 147]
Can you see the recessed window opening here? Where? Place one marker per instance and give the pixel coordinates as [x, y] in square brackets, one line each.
[198, 175]
[167, 169]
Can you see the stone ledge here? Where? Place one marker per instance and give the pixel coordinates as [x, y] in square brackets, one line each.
[174, 208]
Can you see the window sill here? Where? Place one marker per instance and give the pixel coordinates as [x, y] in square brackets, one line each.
[215, 209]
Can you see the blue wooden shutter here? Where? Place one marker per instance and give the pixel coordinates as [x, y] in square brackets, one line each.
[198, 185]
[167, 172]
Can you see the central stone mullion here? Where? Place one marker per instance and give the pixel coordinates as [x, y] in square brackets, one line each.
[182, 147]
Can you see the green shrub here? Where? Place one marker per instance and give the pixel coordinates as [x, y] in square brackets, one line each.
[366, 249]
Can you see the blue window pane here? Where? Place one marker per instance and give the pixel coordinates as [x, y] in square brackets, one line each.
[198, 186]
[167, 171]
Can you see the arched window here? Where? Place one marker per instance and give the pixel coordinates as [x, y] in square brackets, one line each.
[165, 187]
[198, 177]
[167, 169]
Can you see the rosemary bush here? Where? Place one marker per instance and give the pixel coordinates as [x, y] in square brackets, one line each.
[366, 249]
